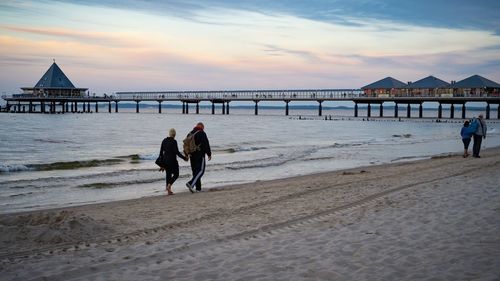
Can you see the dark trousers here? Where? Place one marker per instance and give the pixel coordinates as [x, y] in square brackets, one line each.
[466, 143]
[476, 147]
[198, 169]
[172, 174]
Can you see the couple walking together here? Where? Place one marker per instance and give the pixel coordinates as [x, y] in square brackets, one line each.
[475, 129]
[195, 147]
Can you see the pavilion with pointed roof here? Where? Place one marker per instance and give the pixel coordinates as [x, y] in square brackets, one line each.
[385, 87]
[54, 83]
[429, 86]
[475, 85]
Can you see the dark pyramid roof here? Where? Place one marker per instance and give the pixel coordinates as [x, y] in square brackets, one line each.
[429, 82]
[386, 83]
[54, 78]
[476, 81]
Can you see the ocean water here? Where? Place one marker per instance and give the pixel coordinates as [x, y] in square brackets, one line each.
[49, 161]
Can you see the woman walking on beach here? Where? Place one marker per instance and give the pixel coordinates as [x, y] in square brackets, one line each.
[169, 152]
[466, 133]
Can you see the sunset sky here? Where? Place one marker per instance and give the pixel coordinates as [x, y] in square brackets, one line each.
[113, 45]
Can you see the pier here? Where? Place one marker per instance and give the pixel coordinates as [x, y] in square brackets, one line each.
[54, 93]
[25, 103]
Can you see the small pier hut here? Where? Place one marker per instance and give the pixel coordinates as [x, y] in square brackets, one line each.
[54, 83]
[476, 86]
[387, 87]
[429, 86]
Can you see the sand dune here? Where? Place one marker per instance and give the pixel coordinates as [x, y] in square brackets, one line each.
[434, 219]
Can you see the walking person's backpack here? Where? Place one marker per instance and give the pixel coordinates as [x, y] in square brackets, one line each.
[189, 145]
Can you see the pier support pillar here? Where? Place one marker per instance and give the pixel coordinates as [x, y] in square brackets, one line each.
[452, 111]
[67, 106]
[197, 108]
[227, 108]
[408, 111]
[96, 107]
[84, 108]
[31, 107]
[381, 110]
[109, 106]
[187, 108]
[88, 107]
[369, 110]
[183, 108]
[136, 106]
[498, 112]
[440, 111]
[396, 110]
[355, 109]
[116, 106]
[420, 111]
[463, 111]
[286, 107]
[159, 106]
[488, 111]
[256, 107]
[213, 108]
[42, 107]
[320, 109]
[223, 108]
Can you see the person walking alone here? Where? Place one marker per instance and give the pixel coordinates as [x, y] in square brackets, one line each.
[478, 135]
[169, 152]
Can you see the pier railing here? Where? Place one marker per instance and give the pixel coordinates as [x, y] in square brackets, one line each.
[243, 95]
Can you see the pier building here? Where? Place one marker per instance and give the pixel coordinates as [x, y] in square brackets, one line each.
[54, 83]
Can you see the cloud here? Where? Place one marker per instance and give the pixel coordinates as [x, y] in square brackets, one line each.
[90, 37]
[461, 14]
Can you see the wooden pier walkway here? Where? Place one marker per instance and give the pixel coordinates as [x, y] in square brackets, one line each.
[62, 104]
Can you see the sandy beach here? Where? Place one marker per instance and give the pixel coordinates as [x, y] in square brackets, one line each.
[436, 219]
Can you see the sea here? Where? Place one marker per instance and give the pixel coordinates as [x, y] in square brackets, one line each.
[59, 160]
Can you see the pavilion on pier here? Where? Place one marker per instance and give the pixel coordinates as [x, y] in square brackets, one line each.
[476, 85]
[54, 83]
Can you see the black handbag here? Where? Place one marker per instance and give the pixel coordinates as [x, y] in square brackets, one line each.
[161, 162]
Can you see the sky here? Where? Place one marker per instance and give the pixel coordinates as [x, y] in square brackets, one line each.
[147, 45]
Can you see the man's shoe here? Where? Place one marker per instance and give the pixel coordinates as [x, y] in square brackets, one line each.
[188, 185]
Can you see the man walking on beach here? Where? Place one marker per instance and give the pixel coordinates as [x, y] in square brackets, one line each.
[479, 135]
[196, 145]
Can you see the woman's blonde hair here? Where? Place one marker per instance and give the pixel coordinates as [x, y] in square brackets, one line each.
[171, 133]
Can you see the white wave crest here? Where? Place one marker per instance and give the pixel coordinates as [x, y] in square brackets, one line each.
[8, 168]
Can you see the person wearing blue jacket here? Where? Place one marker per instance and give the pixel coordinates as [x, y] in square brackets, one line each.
[466, 134]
